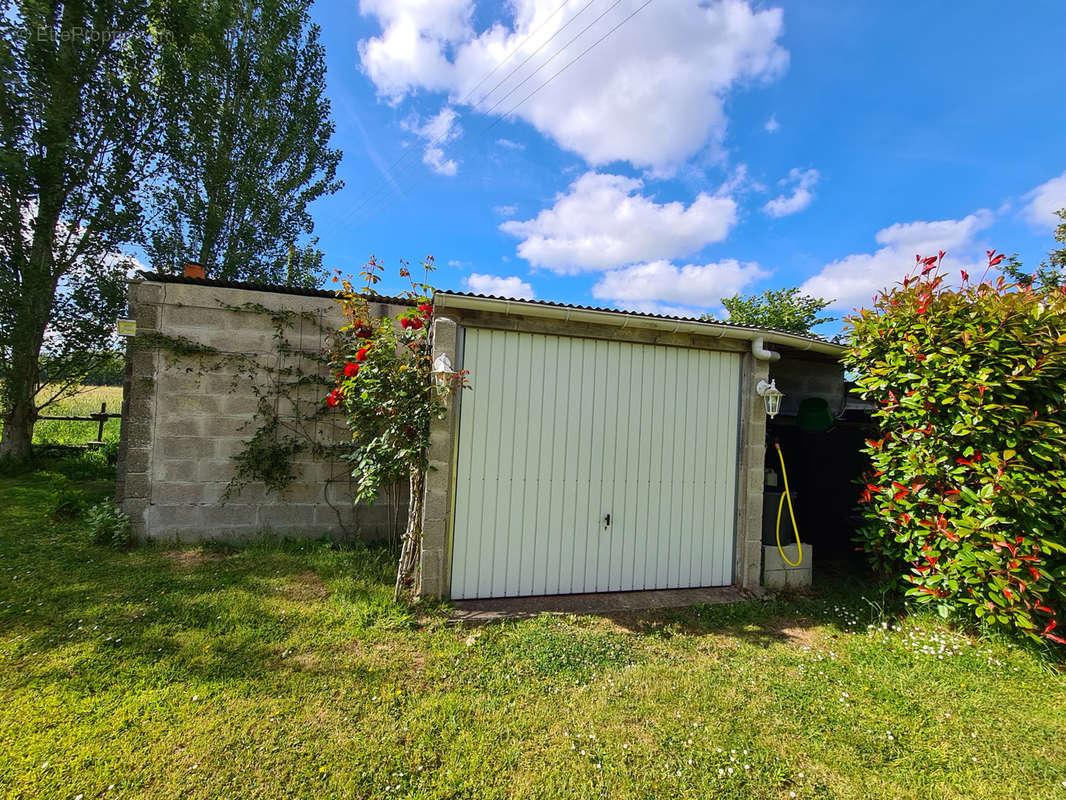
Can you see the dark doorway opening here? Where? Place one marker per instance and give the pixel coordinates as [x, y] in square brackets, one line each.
[823, 471]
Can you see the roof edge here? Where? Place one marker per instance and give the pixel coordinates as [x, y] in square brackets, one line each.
[300, 291]
[609, 316]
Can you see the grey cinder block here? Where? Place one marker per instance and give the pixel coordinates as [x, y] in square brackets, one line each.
[778, 574]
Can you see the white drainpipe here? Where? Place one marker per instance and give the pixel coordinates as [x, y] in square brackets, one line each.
[759, 350]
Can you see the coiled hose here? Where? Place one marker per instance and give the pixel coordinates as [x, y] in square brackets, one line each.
[791, 514]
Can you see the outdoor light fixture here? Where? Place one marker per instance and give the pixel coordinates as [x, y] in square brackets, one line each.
[771, 396]
[443, 374]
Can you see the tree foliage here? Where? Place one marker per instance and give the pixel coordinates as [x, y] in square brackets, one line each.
[784, 309]
[246, 140]
[78, 122]
[967, 497]
[1050, 273]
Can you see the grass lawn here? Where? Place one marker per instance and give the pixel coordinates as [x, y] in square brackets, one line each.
[283, 671]
[86, 401]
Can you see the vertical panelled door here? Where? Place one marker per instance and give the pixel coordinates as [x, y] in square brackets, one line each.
[593, 466]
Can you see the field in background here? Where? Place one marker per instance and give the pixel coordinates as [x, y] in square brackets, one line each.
[86, 402]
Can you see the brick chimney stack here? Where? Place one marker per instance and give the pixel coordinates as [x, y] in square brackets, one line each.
[193, 270]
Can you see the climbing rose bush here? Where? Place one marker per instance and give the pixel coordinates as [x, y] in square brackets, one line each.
[966, 500]
[384, 386]
[382, 371]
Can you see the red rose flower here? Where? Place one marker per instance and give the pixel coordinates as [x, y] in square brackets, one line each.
[415, 324]
[361, 354]
[351, 369]
[426, 309]
[334, 398]
[405, 323]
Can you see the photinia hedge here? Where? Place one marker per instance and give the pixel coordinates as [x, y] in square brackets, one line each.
[966, 501]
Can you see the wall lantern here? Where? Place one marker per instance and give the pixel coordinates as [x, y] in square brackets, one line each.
[771, 396]
[442, 372]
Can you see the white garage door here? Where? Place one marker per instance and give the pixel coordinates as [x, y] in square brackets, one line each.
[593, 466]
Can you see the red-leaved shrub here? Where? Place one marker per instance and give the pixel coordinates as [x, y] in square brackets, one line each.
[966, 500]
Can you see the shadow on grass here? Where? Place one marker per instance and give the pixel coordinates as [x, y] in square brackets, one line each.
[221, 612]
[844, 597]
[88, 614]
[74, 462]
[761, 629]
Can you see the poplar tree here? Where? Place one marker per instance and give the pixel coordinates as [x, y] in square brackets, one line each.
[247, 143]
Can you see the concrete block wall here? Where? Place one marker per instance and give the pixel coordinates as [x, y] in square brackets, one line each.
[185, 418]
[435, 561]
[750, 459]
[801, 377]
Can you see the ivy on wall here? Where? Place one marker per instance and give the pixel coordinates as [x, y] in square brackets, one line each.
[287, 385]
[382, 378]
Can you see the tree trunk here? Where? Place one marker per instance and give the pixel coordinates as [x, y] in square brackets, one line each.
[27, 336]
[20, 382]
[38, 276]
[18, 429]
[412, 537]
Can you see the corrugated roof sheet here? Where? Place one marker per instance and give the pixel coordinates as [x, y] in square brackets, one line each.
[296, 290]
[636, 314]
[161, 277]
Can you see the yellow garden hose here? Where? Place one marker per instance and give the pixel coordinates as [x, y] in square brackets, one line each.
[791, 513]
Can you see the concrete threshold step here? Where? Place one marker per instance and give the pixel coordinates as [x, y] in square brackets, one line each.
[597, 603]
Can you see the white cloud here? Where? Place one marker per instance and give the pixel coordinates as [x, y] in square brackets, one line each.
[510, 144]
[772, 125]
[434, 158]
[437, 132]
[739, 182]
[853, 280]
[513, 286]
[411, 49]
[505, 211]
[1045, 200]
[652, 93]
[802, 181]
[642, 286]
[601, 224]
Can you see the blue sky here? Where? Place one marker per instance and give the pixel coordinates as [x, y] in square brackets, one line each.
[700, 149]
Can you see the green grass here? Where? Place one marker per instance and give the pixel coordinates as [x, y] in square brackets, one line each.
[86, 401]
[283, 671]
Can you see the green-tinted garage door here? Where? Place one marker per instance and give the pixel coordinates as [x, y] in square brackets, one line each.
[593, 466]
